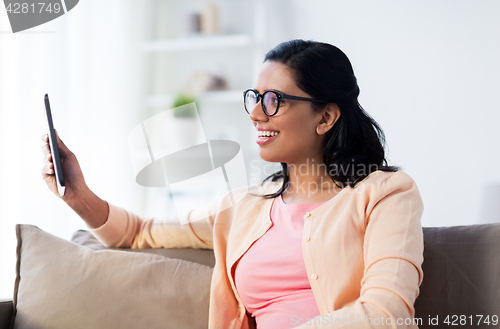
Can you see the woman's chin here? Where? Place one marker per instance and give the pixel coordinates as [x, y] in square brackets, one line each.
[269, 156]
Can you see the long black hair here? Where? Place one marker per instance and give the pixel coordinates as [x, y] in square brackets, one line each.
[355, 144]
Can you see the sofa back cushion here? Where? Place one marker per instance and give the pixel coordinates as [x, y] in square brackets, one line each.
[200, 256]
[60, 284]
[461, 277]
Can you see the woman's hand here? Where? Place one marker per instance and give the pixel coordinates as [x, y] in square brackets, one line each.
[93, 210]
[73, 176]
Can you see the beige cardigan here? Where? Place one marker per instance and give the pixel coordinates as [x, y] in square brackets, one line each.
[363, 250]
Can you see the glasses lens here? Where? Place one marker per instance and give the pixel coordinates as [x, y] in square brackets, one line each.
[271, 103]
[250, 101]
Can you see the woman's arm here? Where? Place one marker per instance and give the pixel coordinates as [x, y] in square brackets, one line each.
[126, 229]
[115, 226]
[92, 209]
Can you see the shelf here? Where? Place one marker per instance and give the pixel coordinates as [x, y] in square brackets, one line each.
[222, 96]
[197, 42]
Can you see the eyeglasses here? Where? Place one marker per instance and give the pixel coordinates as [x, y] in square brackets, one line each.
[270, 100]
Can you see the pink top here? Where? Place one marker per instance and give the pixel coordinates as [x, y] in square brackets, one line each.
[271, 276]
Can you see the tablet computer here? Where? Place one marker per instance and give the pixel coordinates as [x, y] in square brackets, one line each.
[54, 149]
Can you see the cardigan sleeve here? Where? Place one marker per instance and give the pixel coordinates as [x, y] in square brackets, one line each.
[126, 229]
[393, 255]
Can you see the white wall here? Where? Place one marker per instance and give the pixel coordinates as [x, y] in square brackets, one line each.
[429, 73]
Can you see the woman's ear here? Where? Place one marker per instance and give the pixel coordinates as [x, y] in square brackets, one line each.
[331, 114]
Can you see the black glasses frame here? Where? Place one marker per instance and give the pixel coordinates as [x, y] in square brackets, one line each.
[279, 96]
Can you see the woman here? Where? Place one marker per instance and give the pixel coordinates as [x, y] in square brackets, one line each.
[332, 240]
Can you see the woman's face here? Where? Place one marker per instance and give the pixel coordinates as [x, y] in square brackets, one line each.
[296, 121]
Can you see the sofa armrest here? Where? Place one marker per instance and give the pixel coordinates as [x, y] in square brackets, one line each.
[6, 308]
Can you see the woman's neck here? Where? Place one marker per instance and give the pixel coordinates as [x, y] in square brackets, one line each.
[309, 183]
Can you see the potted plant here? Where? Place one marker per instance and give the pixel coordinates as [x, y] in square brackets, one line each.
[181, 111]
[186, 124]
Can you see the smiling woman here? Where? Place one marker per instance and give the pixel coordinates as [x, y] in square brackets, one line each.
[337, 232]
[324, 131]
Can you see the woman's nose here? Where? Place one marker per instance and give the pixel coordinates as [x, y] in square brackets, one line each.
[257, 114]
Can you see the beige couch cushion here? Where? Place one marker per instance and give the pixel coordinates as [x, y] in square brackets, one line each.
[60, 284]
[200, 256]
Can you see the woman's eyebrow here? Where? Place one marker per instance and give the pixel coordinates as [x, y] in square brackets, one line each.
[273, 89]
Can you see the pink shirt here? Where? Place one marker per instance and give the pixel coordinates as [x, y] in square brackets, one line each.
[271, 276]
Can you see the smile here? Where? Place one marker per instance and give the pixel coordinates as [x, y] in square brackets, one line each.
[266, 136]
[268, 133]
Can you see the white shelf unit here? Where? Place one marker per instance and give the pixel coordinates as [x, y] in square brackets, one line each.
[249, 34]
[220, 96]
[197, 43]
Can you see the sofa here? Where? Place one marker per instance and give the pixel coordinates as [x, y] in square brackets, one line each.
[82, 284]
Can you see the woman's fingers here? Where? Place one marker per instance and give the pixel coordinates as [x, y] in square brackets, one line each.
[47, 171]
[48, 165]
[46, 149]
[64, 151]
[47, 160]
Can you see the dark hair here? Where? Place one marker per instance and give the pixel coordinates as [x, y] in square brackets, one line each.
[355, 144]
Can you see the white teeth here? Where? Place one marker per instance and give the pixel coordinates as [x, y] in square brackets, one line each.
[268, 133]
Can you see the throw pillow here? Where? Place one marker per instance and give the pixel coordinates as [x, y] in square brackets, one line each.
[60, 284]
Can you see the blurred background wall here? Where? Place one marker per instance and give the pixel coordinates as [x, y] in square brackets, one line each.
[428, 73]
